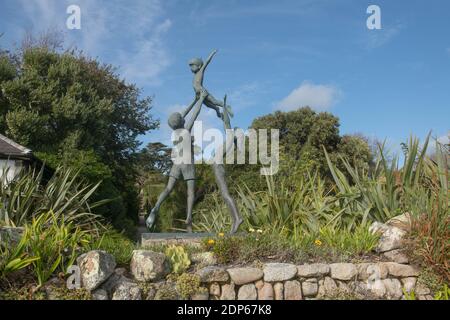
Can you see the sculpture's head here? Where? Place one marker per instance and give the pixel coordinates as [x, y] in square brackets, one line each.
[176, 121]
[195, 64]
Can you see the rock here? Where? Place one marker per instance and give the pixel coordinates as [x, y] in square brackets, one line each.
[120, 271]
[95, 267]
[397, 256]
[247, 292]
[327, 287]
[422, 290]
[127, 290]
[320, 291]
[310, 288]
[213, 274]
[377, 227]
[242, 276]
[409, 284]
[402, 270]
[292, 290]
[391, 237]
[393, 288]
[274, 272]
[148, 265]
[313, 270]
[214, 289]
[11, 235]
[373, 270]
[402, 222]
[204, 258]
[278, 290]
[259, 284]
[119, 287]
[376, 287]
[151, 294]
[228, 292]
[200, 296]
[343, 287]
[266, 292]
[359, 288]
[99, 294]
[343, 271]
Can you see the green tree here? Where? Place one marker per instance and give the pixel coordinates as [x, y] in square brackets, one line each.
[72, 109]
[303, 132]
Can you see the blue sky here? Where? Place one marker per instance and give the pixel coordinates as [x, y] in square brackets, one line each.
[272, 55]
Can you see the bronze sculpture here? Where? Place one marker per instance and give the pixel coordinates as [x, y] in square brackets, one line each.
[186, 169]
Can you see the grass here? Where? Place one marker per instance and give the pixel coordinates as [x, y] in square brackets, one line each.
[326, 246]
[116, 244]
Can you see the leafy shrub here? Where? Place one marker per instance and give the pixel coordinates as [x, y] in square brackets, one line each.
[356, 242]
[226, 249]
[55, 242]
[188, 284]
[65, 193]
[443, 294]
[167, 291]
[116, 244]
[15, 257]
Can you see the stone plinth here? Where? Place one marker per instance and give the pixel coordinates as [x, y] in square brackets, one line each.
[194, 239]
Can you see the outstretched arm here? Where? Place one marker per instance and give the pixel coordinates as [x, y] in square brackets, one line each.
[197, 108]
[209, 60]
[189, 108]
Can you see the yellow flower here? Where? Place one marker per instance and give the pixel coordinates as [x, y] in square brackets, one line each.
[251, 230]
[211, 241]
[318, 242]
[259, 231]
[221, 234]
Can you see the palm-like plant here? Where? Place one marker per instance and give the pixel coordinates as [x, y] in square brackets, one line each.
[28, 196]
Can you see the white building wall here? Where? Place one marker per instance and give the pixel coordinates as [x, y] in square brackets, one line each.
[13, 167]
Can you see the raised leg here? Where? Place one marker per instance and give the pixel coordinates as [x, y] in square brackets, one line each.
[219, 172]
[190, 203]
[155, 210]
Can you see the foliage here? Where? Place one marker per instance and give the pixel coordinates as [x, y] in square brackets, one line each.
[188, 284]
[22, 293]
[420, 187]
[14, 257]
[56, 243]
[226, 249]
[28, 196]
[167, 291]
[115, 243]
[303, 133]
[356, 242]
[327, 246]
[409, 295]
[179, 259]
[443, 294]
[71, 109]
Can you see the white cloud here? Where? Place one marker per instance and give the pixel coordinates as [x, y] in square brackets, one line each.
[129, 35]
[319, 97]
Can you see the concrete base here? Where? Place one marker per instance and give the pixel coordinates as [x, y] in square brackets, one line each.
[151, 239]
